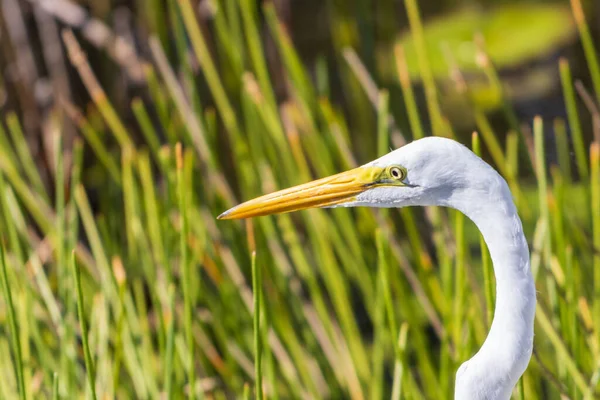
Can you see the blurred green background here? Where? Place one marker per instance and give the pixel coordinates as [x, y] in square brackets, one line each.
[126, 127]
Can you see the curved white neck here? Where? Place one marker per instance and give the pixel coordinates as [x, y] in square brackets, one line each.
[507, 349]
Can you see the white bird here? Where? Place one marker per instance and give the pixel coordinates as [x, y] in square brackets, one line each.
[441, 172]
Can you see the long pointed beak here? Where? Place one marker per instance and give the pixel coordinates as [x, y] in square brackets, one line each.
[330, 191]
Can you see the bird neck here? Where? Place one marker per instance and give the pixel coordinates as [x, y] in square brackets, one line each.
[508, 346]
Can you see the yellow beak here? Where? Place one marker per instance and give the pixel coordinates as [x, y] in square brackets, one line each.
[333, 190]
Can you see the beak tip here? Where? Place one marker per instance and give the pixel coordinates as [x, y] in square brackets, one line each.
[224, 215]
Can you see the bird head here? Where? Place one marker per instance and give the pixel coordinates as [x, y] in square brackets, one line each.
[428, 171]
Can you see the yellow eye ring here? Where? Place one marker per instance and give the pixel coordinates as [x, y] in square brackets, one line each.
[397, 173]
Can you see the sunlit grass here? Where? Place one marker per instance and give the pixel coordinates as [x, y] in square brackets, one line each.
[161, 299]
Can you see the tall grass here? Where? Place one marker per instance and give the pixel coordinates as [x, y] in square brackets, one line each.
[166, 301]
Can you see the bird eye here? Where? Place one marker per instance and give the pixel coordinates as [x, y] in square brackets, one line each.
[397, 173]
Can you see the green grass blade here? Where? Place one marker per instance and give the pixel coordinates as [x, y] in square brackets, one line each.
[169, 351]
[595, 209]
[440, 128]
[25, 156]
[187, 274]
[12, 322]
[55, 395]
[382, 128]
[407, 91]
[208, 66]
[248, 10]
[89, 363]
[562, 149]
[256, 289]
[573, 118]
[588, 45]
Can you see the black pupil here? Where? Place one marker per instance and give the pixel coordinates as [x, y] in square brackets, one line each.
[395, 173]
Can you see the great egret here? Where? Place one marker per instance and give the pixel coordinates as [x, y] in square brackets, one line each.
[442, 172]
